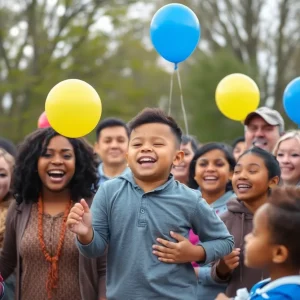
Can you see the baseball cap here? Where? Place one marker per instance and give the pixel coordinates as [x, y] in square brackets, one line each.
[271, 116]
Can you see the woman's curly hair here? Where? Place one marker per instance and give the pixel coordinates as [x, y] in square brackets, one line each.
[27, 183]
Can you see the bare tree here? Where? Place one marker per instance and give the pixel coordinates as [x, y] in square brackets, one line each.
[32, 32]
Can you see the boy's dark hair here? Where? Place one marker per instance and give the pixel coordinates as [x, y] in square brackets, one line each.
[270, 160]
[185, 139]
[110, 122]
[237, 140]
[284, 220]
[155, 115]
[27, 183]
[207, 148]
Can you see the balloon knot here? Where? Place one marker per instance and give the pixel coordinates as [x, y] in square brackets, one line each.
[175, 66]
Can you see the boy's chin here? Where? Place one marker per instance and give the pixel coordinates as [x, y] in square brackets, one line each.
[148, 176]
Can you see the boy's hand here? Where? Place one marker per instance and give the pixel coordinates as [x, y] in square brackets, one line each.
[182, 252]
[228, 263]
[80, 221]
[222, 297]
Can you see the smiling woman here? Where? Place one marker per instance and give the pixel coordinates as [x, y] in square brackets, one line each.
[211, 170]
[287, 152]
[56, 165]
[46, 151]
[52, 173]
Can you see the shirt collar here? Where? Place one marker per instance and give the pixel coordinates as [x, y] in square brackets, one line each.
[270, 285]
[129, 177]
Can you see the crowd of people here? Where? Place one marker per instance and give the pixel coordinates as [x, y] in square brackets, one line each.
[147, 212]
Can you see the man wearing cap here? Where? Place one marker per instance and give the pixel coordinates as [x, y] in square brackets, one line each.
[263, 128]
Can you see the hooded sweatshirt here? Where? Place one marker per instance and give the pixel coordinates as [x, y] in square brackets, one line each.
[238, 220]
[207, 288]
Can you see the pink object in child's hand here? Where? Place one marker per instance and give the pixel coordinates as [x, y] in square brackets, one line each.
[194, 239]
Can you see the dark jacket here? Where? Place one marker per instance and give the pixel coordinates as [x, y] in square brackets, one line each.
[238, 220]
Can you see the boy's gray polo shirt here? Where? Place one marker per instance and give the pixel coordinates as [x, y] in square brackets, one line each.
[130, 221]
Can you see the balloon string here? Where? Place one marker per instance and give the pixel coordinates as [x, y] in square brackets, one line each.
[171, 91]
[182, 103]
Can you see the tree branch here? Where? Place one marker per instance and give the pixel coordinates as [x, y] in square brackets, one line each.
[236, 47]
[250, 20]
[20, 51]
[52, 13]
[63, 23]
[284, 10]
[3, 52]
[32, 30]
[265, 77]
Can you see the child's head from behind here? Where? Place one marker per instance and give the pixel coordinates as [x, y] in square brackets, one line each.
[154, 145]
[256, 172]
[47, 160]
[211, 168]
[274, 240]
[7, 162]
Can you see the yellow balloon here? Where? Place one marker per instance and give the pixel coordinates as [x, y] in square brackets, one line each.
[73, 108]
[236, 96]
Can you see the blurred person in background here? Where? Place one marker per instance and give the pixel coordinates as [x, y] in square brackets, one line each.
[263, 128]
[189, 147]
[287, 152]
[7, 163]
[238, 147]
[111, 145]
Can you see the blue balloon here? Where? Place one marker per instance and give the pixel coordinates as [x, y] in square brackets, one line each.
[291, 100]
[175, 32]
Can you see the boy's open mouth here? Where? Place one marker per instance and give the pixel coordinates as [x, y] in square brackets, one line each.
[146, 160]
